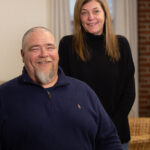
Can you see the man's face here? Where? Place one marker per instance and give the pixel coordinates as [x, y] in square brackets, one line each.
[40, 56]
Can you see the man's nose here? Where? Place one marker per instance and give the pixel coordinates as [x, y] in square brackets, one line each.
[43, 52]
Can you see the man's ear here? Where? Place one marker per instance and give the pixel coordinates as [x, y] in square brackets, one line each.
[22, 54]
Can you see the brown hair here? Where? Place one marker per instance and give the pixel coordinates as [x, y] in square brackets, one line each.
[81, 49]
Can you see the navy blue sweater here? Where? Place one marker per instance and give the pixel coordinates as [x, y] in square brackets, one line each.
[67, 116]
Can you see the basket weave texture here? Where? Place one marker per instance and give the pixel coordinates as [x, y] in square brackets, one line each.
[140, 133]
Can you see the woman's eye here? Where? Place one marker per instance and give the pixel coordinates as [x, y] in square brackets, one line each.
[83, 13]
[96, 11]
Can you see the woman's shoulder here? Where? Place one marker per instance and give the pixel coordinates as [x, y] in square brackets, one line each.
[65, 45]
[66, 42]
[122, 39]
[66, 38]
[123, 43]
[124, 47]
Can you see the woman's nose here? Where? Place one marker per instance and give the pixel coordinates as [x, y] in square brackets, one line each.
[90, 16]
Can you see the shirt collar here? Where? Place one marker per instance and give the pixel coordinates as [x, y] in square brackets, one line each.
[62, 78]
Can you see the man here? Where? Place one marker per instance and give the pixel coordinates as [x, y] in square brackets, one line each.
[43, 109]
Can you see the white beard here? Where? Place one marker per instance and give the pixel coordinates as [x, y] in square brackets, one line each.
[44, 77]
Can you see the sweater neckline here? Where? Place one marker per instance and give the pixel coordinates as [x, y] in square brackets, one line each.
[92, 37]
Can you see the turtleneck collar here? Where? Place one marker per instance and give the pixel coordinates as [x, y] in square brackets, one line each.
[93, 37]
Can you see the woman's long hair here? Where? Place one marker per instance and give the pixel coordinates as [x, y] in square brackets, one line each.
[112, 48]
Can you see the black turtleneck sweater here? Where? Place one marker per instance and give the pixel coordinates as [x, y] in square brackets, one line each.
[113, 82]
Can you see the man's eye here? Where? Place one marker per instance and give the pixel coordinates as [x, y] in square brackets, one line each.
[50, 47]
[34, 49]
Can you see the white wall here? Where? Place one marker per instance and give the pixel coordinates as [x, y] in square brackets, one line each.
[17, 16]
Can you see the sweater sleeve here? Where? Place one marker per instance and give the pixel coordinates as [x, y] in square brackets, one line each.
[107, 137]
[1, 122]
[128, 92]
[64, 54]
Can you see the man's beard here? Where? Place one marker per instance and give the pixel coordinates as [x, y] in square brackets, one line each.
[44, 77]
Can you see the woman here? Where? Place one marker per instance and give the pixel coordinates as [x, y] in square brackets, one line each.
[103, 60]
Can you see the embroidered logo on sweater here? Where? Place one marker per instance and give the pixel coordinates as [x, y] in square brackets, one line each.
[79, 106]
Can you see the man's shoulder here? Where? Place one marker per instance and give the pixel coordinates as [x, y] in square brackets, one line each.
[79, 85]
[82, 90]
[76, 81]
[10, 84]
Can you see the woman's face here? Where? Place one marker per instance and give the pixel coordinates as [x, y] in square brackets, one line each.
[92, 17]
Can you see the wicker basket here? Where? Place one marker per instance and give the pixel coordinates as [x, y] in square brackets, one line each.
[140, 133]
